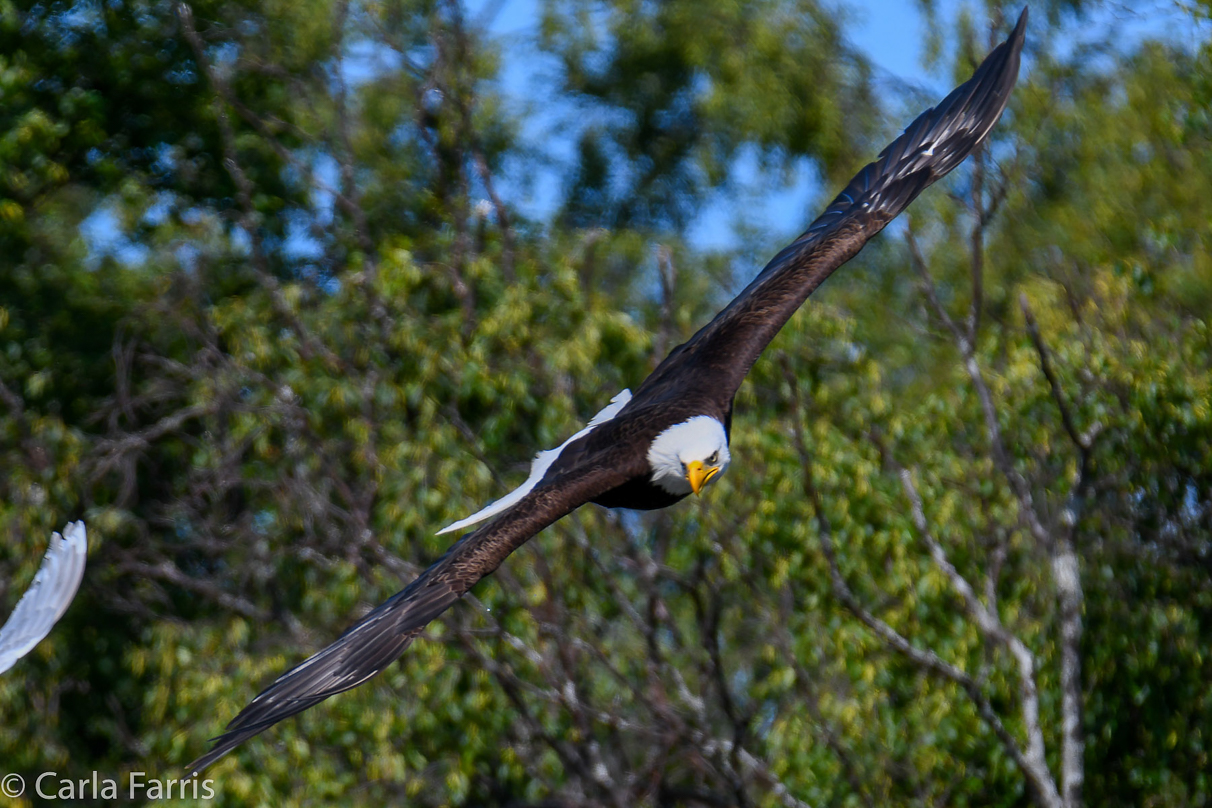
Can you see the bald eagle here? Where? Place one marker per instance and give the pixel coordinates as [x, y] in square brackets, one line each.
[669, 439]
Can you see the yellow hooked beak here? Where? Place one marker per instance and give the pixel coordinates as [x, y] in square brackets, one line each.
[697, 474]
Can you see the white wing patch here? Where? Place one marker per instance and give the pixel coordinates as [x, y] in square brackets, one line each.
[542, 462]
[48, 597]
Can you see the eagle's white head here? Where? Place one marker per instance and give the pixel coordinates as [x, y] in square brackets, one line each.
[686, 456]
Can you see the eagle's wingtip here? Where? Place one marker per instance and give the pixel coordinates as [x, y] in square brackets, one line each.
[204, 762]
[75, 535]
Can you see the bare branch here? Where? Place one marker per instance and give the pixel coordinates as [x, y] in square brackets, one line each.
[13, 401]
[993, 430]
[811, 700]
[668, 274]
[1031, 762]
[1065, 567]
[350, 195]
[168, 571]
[1082, 442]
[919, 264]
[503, 217]
[309, 346]
[978, 243]
[1066, 574]
[110, 451]
[990, 625]
[244, 188]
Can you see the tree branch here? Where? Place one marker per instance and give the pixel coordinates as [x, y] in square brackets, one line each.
[309, 346]
[990, 625]
[1066, 573]
[978, 243]
[1031, 762]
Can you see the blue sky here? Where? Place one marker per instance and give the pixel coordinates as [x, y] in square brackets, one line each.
[891, 33]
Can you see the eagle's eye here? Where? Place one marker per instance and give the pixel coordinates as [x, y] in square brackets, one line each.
[714, 457]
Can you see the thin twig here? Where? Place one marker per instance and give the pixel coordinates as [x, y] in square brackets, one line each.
[1031, 762]
[978, 243]
[308, 346]
[1082, 442]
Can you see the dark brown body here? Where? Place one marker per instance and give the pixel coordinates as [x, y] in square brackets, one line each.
[637, 427]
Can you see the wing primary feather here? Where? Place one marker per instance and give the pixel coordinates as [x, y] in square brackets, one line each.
[360, 653]
[52, 591]
[714, 362]
[938, 140]
[379, 638]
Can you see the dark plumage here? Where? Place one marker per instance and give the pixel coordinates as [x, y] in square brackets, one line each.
[612, 463]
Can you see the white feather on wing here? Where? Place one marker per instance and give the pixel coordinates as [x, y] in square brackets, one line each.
[542, 462]
[48, 596]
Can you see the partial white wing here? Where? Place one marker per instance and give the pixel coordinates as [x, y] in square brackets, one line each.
[542, 462]
[48, 596]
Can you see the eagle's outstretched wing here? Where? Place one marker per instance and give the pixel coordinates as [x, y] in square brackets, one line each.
[714, 362]
[378, 639]
[48, 597]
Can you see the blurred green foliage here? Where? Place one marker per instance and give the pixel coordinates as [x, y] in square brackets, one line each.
[267, 324]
